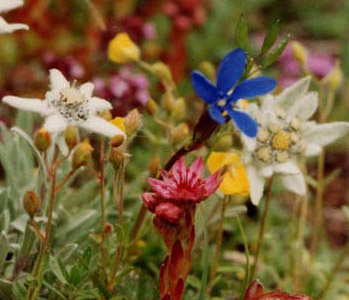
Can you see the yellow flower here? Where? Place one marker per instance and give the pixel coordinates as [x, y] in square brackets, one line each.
[121, 49]
[235, 181]
[119, 122]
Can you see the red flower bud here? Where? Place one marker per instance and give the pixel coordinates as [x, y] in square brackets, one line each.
[169, 212]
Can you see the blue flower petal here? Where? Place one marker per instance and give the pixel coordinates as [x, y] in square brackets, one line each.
[230, 70]
[216, 114]
[244, 122]
[253, 87]
[203, 87]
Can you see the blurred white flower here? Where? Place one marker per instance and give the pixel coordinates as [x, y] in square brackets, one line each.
[5, 6]
[67, 104]
[284, 134]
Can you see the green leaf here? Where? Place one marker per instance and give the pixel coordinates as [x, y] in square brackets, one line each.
[54, 290]
[77, 275]
[27, 241]
[5, 289]
[241, 33]
[332, 176]
[26, 137]
[4, 249]
[19, 291]
[273, 56]
[270, 37]
[56, 269]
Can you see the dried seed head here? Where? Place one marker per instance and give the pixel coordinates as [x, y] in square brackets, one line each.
[180, 132]
[116, 157]
[179, 109]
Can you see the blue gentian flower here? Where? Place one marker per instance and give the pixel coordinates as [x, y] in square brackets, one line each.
[222, 98]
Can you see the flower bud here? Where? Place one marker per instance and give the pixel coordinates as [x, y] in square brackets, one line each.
[117, 141]
[121, 49]
[208, 69]
[151, 107]
[71, 137]
[334, 78]
[299, 52]
[31, 203]
[180, 132]
[108, 229]
[179, 108]
[162, 71]
[132, 122]
[82, 154]
[116, 157]
[42, 139]
[167, 102]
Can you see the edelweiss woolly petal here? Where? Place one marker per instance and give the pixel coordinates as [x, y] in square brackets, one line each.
[256, 182]
[55, 124]
[324, 134]
[101, 126]
[6, 6]
[9, 28]
[99, 104]
[291, 94]
[57, 80]
[294, 183]
[27, 104]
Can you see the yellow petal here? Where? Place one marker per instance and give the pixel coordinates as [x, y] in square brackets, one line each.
[121, 49]
[235, 181]
[119, 122]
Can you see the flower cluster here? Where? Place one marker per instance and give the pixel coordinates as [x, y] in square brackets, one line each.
[285, 134]
[178, 189]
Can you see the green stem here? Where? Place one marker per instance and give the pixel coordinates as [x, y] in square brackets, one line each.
[262, 227]
[219, 239]
[34, 290]
[248, 264]
[318, 204]
[300, 245]
[102, 188]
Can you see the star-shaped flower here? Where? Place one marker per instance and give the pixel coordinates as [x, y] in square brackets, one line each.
[6, 6]
[222, 98]
[284, 134]
[67, 104]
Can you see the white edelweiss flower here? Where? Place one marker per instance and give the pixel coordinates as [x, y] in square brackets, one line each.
[5, 6]
[284, 134]
[67, 104]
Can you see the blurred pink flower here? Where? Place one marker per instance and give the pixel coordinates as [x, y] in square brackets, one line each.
[320, 64]
[125, 90]
[69, 66]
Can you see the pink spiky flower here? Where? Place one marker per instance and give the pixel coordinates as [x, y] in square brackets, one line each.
[173, 201]
[179, 187]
